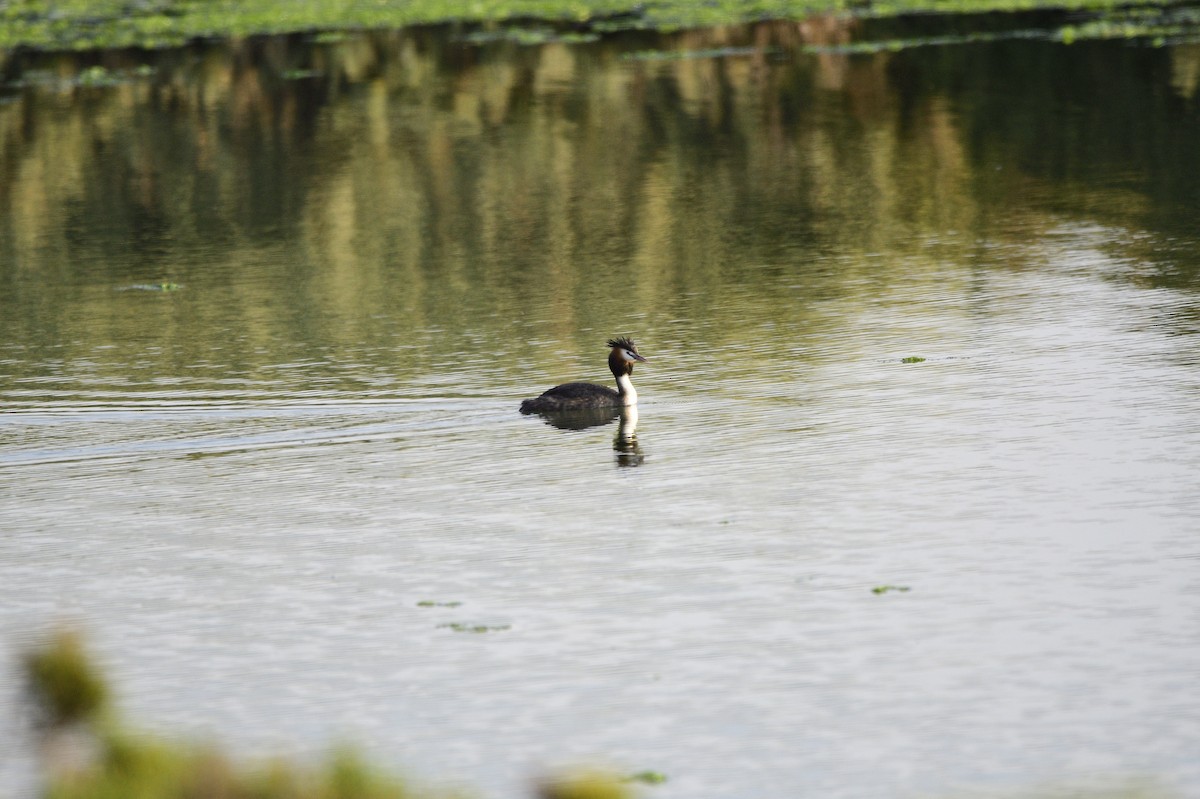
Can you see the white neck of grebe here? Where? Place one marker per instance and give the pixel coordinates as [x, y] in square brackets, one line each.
[628, 392]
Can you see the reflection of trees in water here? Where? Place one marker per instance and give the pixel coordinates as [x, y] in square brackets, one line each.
[469, 182]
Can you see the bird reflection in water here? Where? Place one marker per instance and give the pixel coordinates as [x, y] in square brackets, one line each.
[580, 419]
[629, 452]
[625, 443]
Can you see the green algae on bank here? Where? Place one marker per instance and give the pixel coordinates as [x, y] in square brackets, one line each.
[102, 24]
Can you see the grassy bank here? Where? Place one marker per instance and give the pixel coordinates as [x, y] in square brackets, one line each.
[92, 24]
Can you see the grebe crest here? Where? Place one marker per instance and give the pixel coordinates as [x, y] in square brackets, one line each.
[622, 355]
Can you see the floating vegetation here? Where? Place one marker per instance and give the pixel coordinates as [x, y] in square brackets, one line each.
[912, 359]
[530, 36]
[460, 627]
[883, 589]
[677, 55]
[96, 24]
[98, 76]
[1160, 25]
[429, 603]
[1155, 25]
[93, 77]
[647, 777]
[330, 37]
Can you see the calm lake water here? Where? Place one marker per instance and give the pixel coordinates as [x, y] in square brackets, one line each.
[268, 308]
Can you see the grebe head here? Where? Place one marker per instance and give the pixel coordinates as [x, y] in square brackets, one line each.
[623, 356]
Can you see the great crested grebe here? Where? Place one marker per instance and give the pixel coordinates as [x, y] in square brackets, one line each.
[580, 396]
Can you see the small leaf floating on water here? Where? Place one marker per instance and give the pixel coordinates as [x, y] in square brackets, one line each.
[459, 627]
[429, 603]
[647, 777]
[912, 359]
[883, 589]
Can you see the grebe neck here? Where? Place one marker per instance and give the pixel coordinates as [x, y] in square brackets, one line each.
[626, 390]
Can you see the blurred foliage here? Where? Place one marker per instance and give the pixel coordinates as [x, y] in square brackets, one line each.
[120, 764]
[128, 765]
[90, 24]
[588, 785]
[66, 686]
[140, 767]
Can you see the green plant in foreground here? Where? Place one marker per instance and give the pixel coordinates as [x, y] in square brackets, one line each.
[125, 765]
[137, 766]
[65, 686]
[119, 764]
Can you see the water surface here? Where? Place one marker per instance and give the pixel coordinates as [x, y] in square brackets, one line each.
[267, 310]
